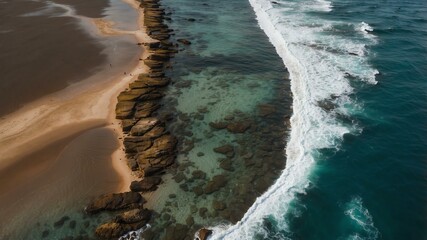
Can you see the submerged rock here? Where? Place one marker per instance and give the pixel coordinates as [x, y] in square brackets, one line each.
[61, 222]
[239, 126]
[225, 149]
[218, 125]
[216, 183]
[115, 201]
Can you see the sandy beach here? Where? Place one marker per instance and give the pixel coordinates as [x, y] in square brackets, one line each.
[82, 112]
[79, 107]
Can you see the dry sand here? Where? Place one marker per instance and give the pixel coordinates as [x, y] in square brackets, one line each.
[72, 110]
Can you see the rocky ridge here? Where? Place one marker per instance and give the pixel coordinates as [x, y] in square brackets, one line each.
[149, 146]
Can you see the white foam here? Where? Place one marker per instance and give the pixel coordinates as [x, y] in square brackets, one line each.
[366, 31]
[316, 73]
[362, 218]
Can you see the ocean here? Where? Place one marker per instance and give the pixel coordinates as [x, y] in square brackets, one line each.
[333, 93]
[357, 149]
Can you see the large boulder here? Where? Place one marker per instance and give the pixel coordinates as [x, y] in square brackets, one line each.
[216, 183]
[238, 126]
[161, 152]
[225, 149]
[124, 109]
[113, 230]
[203, 234]
[144, 125]
[145, 109]
[133, 94]
[134, 216]
[115, 201]
[146, 184]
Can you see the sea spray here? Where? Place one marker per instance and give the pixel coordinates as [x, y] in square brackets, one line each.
[362, 220]
[322, 67]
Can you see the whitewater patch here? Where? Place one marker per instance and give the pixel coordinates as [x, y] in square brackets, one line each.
[322, 67]
[362, 220]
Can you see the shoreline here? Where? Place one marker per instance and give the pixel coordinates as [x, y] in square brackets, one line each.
[147, 148]
[119, 157]
[75, 110]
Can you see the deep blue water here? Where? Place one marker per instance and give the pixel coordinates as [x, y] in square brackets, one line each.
[357, 168]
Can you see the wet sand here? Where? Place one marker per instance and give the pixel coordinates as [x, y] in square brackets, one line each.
[61, 176]
[62, 149]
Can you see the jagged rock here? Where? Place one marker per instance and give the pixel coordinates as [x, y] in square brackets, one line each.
[145, 185]
[145, 109]
[153, 64]
[152, 44]
[215, 184]
[134, 216]
[127, 124]
[115, 230]
[143, 126]
[124, 109]
[135, 144]
[147, 81]
[159, 57]
[115, 201]
[203, 234]
[239, 126]
[224, 149]
[160, 154]
[155, 132]
[150, 171]
[133, 94]
[327, 105]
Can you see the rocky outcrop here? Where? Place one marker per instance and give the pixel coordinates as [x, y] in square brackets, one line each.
[216, 183]
[134, 216]
[146, 184]
[239, 126]
[127, 221]
[149, 147]
[115, 201]
[113, 230]
[203, 234]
